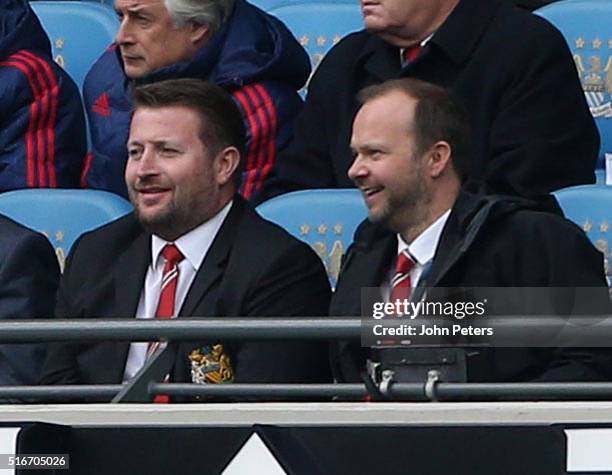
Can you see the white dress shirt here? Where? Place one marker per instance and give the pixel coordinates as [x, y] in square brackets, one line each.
[194, 246]
[422, 250]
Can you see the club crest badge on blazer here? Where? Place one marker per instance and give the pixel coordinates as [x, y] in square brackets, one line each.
[210, 365]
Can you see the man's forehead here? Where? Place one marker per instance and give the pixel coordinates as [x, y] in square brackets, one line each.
[138, 4]
[157, 140]
[165, 111]
[389, 109]
[381, 121]
[174, 122]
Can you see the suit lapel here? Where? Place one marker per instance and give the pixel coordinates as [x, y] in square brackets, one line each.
[366, 264]
[130, 274]
[214, 264]
[211, 271]
[376, 261]
[382, 61]
[463, 226]
[445, 253]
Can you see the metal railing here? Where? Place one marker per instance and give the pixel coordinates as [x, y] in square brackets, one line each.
[93, 330]
[132, 329]
[321, 392]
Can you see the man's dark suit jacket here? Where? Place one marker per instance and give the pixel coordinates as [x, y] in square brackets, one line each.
[532, 4]
[253, 268]
[486, 242]
[29, 274]
[523, 142]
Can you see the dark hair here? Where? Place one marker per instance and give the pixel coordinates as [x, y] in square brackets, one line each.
[221, 122]
[438, 116]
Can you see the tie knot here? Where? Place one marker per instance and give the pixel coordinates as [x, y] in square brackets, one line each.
[412, 53]
[172, 255]
[404, 263]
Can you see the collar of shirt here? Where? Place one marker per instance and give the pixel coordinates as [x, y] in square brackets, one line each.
[195, 244]
[403, 50]
[423, 248]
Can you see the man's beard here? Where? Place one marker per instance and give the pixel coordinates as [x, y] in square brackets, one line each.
[168, 223]
[400, 212]
[159, 224]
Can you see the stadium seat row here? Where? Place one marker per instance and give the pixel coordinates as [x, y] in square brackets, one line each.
[325, 219]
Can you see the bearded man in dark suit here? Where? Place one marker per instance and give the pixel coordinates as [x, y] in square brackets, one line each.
[411, 148]
[192, 248]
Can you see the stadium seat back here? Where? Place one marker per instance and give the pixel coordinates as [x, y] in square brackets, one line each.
[325, 219]
[79, 33]
[590, 207]
[587, 28]
[62, 215]
[319, 25]
[266, 5]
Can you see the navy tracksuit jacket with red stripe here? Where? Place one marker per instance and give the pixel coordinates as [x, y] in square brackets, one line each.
[42, 126]
[254, 57]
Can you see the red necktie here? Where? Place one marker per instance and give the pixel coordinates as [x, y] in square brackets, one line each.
[167, 296]
[401, 287]
[165, 307]
[412, 53]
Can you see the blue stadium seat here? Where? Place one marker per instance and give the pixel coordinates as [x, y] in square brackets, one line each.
[587, 28]
[319, 25]
[62, 215]
[266, 5]
[79, 33]
[590, 207]
[325, 219]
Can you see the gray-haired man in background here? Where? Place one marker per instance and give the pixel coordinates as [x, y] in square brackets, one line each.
[230, 43]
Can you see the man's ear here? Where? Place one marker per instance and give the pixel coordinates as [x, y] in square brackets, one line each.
[440, 157]
[198, 34]
[226, 163]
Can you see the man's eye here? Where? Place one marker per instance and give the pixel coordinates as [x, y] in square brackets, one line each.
[169, 151]
[142, 20]
[133, 153]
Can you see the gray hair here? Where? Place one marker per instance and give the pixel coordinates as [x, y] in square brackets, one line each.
[212, 13]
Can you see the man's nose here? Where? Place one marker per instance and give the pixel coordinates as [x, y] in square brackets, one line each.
[357, 169]
[124, 34]
[148, 165]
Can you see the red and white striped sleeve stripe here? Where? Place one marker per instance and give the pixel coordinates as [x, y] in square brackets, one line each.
[262, 121]
[40, 135]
